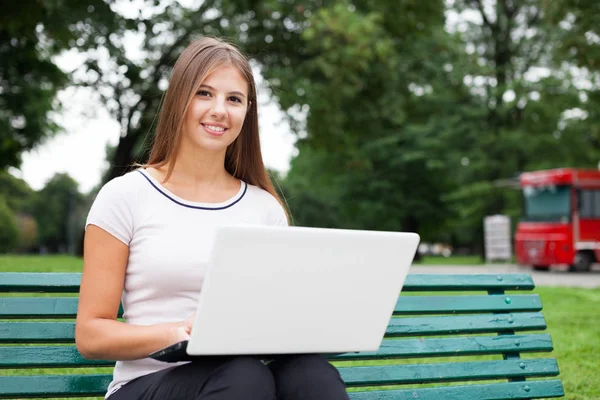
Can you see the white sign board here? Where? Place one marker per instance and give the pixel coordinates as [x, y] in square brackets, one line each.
[497, 239]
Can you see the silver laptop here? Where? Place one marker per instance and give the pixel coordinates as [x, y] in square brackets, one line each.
[290, 290]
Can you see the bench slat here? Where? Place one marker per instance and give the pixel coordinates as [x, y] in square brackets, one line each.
[63, 332]
[435, 282]
[95, 385]
[54, 385]
[69, 282]
[35, 332]
[65, 307]
[353, 376]
[68, 356]
[485, 323]
[447, 372]
[493, 391]
[42, 307]
[32, 282]
[464, 346]
[47, 356]
[470, 304]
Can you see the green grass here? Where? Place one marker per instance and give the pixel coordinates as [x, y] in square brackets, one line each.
[452, 260]
[457, 260]
[53, 263]
[573, 317]
[572, 314]
[50, 263]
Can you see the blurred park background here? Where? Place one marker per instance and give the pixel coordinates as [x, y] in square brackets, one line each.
[397, 115]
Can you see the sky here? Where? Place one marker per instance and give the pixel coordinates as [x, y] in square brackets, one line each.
[88, 128]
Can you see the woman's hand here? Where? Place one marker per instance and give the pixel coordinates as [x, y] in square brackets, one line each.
[180, 331]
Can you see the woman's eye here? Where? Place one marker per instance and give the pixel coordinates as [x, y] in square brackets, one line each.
[203, 93]
[236, 99]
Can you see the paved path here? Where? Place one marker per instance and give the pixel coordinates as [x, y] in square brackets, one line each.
[555, 277]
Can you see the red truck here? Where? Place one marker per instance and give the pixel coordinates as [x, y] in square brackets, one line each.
[561, 219]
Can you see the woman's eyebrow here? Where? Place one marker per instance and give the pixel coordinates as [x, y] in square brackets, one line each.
[213, 89]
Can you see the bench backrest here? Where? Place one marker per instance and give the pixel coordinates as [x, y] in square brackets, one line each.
[440, 323]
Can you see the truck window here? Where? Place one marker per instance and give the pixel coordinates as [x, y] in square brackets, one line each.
[589, 204]
[548, 203]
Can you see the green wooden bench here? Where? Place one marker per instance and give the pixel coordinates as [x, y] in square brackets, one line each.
[434, 334]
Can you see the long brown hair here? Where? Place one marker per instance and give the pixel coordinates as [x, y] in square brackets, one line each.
[243, 158]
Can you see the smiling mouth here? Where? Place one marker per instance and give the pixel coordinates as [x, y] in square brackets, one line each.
[214, 129]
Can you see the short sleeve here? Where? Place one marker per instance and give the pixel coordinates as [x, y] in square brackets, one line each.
[279, 216]
[112, 210]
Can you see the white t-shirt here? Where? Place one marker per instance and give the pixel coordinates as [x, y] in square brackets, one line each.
[169, 239]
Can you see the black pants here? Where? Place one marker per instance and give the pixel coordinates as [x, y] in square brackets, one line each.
[300, 377]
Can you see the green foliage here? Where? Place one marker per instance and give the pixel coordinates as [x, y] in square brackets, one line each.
[403, 123]
[28, 233]
[31, 33]
[17, 193]
[369, 156]
[9, 233]
[21, 200]
[58, 213]
[578, 30]
[523, 100]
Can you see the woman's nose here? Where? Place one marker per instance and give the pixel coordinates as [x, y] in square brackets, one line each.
[218, 107]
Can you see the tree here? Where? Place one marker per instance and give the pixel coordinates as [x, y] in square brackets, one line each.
[577, 23]
[20, 199]
[28, 233]
[17, 193]
[9, 233]
[526, 102]
[58, 211]
[405, 125]
[369, 155]
[31, 34]
[132, 89]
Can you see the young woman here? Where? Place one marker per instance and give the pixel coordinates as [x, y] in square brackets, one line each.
[205, 170]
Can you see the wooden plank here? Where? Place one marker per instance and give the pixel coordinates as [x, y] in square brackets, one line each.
[69, 282]
[484, 323]
[39, 307]
[447, 372]
[435, 282]
[53, 386]
[66, 307]
[45, 356]
[36, 332]
[467, 304]
[68, 356]
[32, 282]
[63, 332]
[31, 386]
[463, 346]
[490, 391]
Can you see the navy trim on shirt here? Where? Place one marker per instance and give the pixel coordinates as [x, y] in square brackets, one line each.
[196, 207]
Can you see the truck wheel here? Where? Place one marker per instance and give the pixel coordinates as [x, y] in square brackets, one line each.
[583, 262]
[541, 268]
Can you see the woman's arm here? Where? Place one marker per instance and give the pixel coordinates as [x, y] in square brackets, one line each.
[98, 335]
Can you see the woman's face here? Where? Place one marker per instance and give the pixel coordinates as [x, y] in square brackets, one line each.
[216, 113]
